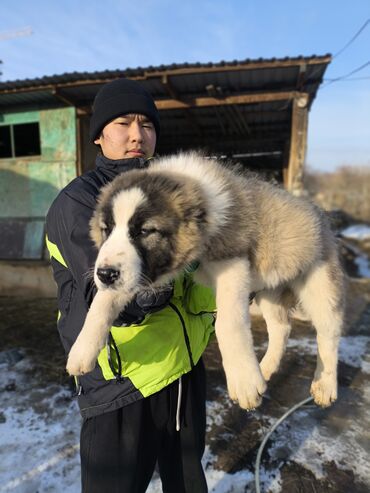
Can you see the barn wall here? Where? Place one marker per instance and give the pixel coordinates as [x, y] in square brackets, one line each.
[28, 185]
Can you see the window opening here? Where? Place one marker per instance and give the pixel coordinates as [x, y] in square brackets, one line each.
[20, 140]
[5, 142]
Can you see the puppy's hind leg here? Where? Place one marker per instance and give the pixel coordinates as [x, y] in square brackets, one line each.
[322, 298]
[278, 327]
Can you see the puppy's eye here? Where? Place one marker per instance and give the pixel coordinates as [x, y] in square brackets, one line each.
[147, 231]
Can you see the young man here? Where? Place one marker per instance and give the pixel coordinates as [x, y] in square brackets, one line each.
[145, 400]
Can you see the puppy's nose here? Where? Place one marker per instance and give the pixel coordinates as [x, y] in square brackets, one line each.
[107, 275]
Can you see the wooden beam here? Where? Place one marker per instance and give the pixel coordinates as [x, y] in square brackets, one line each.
[217, 137]
[62, 97]
[207, 101]
[171, 91]
[223, 145]
[242, 120]
[166, 83]
[84, 110]
[285, 156]
[301, 77]
[176, 104]
[298, 145]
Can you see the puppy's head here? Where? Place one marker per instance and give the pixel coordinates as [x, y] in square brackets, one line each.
[147, 227]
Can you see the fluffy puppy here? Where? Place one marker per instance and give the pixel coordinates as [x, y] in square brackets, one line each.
[248, 235]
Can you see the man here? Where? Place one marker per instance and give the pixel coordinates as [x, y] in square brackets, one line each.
[145, 400]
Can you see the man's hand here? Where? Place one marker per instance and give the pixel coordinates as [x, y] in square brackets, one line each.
[146, 301]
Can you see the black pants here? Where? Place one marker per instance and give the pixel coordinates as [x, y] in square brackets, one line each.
[119, 450]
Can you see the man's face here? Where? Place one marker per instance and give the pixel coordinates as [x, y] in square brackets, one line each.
[127, 137]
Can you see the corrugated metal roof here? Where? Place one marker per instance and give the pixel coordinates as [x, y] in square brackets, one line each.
[242, 106]
[70, 77]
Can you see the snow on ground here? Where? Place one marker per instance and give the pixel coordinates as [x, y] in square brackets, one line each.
[39, 429]
[361, 260]
[218, 481]
[39, 445]
[363, 265]
[358, 232]
[353, 350]
[40, 426]
[346, 442]
[312, 446]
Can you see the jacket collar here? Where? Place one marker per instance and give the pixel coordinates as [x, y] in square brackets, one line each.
[121, 165]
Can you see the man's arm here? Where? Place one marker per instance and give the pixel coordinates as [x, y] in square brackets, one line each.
[67, 226]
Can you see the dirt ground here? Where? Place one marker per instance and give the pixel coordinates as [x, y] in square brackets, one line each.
[304, 454]
[235, 442]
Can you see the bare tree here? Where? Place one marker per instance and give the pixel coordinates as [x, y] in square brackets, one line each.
[348, 189]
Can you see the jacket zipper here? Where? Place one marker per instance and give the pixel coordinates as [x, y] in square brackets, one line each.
[78, 387]
[186, 337]
[117, 373]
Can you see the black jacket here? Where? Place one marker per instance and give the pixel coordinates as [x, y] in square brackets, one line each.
[67, 227]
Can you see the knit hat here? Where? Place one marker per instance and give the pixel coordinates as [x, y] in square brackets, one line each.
[121, 97]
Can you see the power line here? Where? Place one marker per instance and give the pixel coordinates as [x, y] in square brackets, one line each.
[358, 69]
[362, 28]
[352, 39]
[342, 77]
[347, 80]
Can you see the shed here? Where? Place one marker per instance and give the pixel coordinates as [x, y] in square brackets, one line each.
[252, 111]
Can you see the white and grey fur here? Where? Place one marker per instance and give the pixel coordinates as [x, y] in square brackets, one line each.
[248, 236]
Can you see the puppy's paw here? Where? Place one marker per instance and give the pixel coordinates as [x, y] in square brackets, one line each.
[324, 390]
[81, 359]
[246, 386]
[268, 366]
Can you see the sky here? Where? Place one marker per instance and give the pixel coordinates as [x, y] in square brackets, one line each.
[91, 35]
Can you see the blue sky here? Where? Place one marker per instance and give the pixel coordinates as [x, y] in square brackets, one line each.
[77, 35]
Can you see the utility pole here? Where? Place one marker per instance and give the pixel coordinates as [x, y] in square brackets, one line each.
[18, 33]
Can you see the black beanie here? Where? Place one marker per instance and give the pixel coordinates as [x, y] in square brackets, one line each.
[121, 97]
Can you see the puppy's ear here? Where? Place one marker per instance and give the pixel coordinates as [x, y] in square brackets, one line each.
[195, 214]
[95, 230]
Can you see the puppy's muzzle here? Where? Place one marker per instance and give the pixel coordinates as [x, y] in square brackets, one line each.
[107, 275]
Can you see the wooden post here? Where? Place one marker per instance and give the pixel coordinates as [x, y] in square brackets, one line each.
[298, 145]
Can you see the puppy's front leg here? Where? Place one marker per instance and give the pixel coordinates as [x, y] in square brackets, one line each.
[103, 311]
[244, 378]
